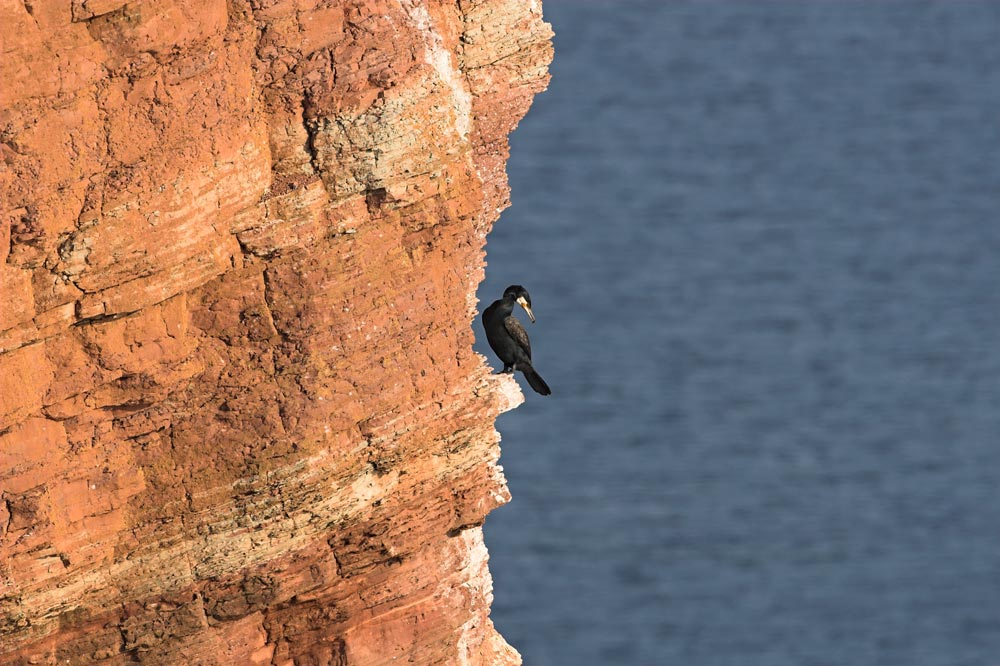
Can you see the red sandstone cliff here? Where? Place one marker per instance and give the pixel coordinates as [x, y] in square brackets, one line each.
[241, 421]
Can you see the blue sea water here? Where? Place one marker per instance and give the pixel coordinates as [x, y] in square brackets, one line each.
[762, 244]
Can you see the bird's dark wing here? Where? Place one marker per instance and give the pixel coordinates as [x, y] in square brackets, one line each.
[517, 332]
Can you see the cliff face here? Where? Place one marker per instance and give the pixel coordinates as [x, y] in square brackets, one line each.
[241, 421]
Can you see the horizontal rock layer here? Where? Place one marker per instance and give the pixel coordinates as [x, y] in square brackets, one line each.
[241, 421]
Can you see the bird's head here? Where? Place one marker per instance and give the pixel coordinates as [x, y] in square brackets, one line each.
[518, 293]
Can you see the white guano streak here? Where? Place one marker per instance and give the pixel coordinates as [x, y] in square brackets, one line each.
[439, 58]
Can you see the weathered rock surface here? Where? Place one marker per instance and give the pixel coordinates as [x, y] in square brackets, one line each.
[241, 421]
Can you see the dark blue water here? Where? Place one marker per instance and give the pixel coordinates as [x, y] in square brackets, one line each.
[763, 245]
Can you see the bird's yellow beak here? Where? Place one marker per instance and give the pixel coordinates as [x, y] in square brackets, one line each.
[527, 308]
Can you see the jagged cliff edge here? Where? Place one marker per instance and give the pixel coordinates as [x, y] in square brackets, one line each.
[241, 421]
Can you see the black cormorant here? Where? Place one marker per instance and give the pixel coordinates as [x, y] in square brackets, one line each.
[508, 338]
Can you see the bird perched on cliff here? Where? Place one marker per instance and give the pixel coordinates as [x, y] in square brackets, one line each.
[508, 338]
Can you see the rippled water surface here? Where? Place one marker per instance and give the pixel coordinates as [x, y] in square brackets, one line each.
[762, 243]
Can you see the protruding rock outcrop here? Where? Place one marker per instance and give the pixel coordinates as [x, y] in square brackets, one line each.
[241, 421]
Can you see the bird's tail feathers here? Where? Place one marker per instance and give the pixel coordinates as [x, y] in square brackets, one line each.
[534, 379]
